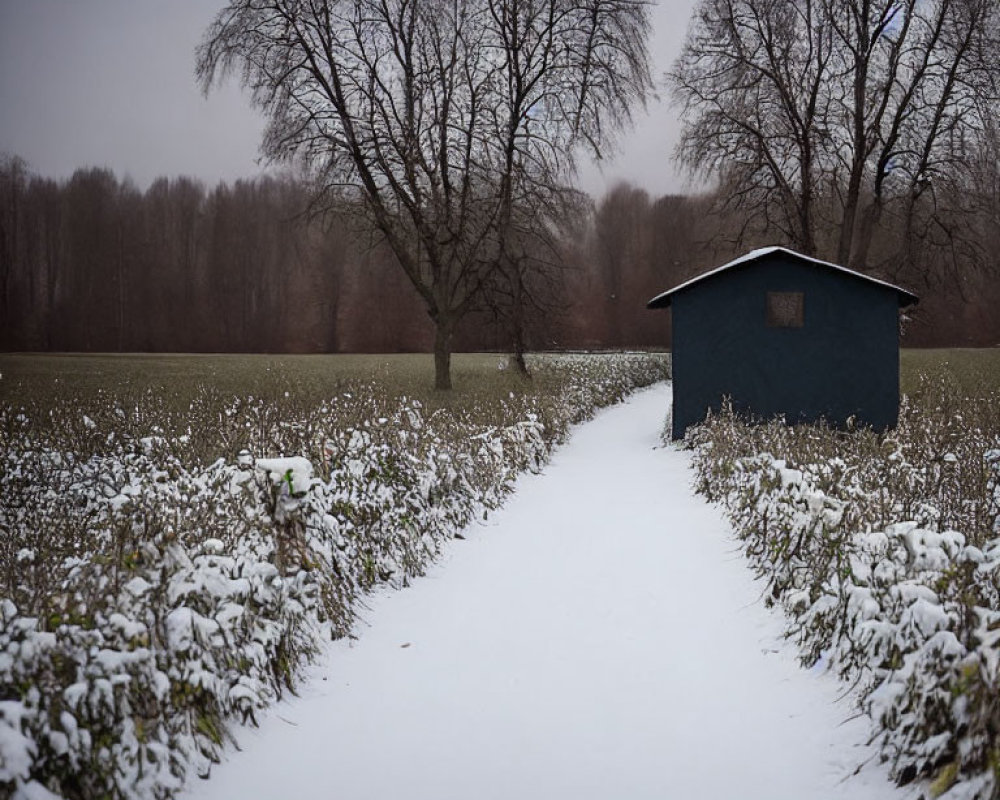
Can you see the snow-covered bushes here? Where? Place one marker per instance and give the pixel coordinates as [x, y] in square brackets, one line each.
[884, 551]
[166, 570]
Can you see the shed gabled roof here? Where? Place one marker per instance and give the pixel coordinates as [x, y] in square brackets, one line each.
[906, 298]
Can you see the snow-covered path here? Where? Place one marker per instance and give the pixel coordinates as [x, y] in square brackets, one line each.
[599, 637]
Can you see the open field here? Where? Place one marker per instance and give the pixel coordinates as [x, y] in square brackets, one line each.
[223, 403]
[54, 377]
[57, 376]
[974, 370]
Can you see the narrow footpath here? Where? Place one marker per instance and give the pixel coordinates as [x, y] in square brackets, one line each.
[600, 637]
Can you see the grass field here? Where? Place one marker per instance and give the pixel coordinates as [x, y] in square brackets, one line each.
[196, 394]
[56, 377]
[976, 371]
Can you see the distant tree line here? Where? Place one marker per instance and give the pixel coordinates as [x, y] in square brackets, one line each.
[636, 246]
[95, 264]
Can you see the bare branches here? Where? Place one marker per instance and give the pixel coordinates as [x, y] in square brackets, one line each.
[829, 114]
[444, 114]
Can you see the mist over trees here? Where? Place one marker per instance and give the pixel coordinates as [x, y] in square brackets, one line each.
[95, 264]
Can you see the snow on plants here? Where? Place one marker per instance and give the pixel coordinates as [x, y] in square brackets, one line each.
[884, 552]
[157, 588]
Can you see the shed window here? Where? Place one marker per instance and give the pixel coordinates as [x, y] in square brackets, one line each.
[785, 309]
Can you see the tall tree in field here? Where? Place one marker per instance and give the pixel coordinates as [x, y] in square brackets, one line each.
[828, 116]
[438, 114]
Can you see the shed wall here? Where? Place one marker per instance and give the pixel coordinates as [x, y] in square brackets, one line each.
[843, 362]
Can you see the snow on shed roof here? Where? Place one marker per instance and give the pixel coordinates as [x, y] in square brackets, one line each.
[663, 300]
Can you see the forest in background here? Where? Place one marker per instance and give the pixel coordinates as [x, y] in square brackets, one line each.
[95, 264]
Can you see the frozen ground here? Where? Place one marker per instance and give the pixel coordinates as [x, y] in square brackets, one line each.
[600, 637]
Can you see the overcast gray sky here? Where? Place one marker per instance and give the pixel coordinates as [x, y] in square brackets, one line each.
[111, 83]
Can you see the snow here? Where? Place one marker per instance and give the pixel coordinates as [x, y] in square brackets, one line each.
[600, 638]
[34, 791]
[180, 627]
[16, 747]
[296, 471]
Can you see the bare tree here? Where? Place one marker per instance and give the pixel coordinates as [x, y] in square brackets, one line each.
[436, 113]
[824, 116]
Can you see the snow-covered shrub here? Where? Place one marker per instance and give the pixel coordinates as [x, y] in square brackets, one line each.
[168, 567]
[884, 551]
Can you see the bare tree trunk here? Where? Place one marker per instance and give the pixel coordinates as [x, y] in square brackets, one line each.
[520, 365]
[845, 242]
[866, 231]
[443, 330]
[518, 323]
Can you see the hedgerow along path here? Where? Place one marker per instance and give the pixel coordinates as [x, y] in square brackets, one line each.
[599, 637]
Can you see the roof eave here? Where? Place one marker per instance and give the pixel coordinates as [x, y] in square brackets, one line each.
[906, 299]
[662, 300]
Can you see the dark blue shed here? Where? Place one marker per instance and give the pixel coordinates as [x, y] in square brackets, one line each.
[785, 334]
